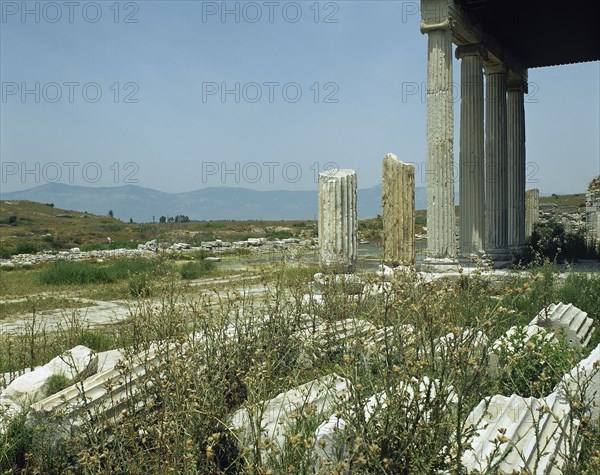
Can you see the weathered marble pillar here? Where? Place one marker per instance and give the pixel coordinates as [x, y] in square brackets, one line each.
[496, 199]
[398, 182]
[472, 164]
[441, 219]
[515, 109]
[337, 220]
[532, 209]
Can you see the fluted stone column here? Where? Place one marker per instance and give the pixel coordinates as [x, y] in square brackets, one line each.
[515, 109]
[472, 165]
[398, 182]
[441, 219]
[532, 209]
[337, 220]
[496, 199]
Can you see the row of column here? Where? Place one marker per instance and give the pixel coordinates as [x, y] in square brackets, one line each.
[492, 153]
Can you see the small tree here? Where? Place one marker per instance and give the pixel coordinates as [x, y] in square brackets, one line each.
[111, 214]
[162, 219]
[130, 220]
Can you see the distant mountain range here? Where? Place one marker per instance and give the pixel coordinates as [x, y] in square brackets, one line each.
[217, 203]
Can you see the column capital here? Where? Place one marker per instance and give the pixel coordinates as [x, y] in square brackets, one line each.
[475, 49]
[427, 26]
[495, 68]
[519, 85]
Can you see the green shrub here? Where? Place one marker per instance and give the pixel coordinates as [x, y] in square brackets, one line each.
[551, 241]
[193, 270]
[25, 247]
[15, 443]
[280, 235]
[5, 253]
[95, 340]
[123, 268]
[81, 273]
[76, 273]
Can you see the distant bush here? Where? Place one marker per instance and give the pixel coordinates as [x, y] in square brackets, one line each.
[76, 273]
[25, 247]
[193, 270]
[548, 239]
[280, 235]
[238, 251]
[551, 241]
[5, 253]
[123, 268]
[82, 273]
[12, 220]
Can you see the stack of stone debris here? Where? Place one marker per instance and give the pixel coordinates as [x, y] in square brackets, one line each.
[572, 217]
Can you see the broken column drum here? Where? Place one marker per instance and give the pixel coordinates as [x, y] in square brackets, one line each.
[398, 182]
[337, 220]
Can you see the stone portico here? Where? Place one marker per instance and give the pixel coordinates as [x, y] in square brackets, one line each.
[496, 43]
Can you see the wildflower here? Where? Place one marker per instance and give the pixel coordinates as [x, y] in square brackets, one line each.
[374, 448]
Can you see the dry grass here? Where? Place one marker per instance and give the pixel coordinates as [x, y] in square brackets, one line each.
[179, 422]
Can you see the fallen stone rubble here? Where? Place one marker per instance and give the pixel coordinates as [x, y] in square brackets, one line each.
[531, 435]
[331, 441]
[274, 420]
[516, 434]
[575, 323]
[151, 249]
[509, 432]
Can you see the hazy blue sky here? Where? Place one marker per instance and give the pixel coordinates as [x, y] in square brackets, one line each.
[161, 121]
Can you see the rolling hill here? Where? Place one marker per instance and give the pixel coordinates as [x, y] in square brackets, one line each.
[217, 203]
